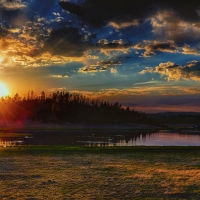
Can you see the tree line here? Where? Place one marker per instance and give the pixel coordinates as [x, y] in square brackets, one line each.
[66, 107]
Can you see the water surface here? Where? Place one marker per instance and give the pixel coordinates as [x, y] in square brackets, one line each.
[101, 138]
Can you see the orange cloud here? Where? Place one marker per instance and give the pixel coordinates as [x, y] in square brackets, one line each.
[170, 25]
[151, 47]
[191, 71]
[119, 25]
[189, 50]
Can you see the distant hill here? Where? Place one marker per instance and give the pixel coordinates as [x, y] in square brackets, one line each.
[177, 113]
[176, 117]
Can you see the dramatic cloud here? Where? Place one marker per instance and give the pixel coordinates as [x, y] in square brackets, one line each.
[114, 45]
[189, 50]
[36, 45]
[20, 54]
[100, 45]
[87, 69]
[99, 12]
[33, 39]
[162, 46]
[169, 25]
[65, 41]
[157, 92]
[109, 62]
[119, 25]
[102, 12]
[101, 66]
[12, 4]
[191, 71]
[35, 35]
[151, 47]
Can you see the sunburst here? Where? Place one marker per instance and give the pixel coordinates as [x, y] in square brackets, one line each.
[3, 90]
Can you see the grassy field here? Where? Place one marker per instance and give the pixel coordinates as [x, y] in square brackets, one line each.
[64, 172]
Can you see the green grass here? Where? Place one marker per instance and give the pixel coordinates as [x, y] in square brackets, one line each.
[159, 150]
[77, 172]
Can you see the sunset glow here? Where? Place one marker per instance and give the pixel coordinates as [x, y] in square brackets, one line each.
[3, 90]
[141, 53]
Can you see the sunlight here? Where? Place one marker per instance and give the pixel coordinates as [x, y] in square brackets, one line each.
[3, 90]
[1, 59]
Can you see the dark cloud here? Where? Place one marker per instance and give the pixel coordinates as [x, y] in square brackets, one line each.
[3, 31]
[156, 46]
[113, 46]
[14, 17]
[162, 47]
[72, 8]
[65, 41]
[186, 10]
[159, 47]
[99, 12]
[34, 52]
[69, 41]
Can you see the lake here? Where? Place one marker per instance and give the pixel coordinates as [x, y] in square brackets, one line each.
[101, 138]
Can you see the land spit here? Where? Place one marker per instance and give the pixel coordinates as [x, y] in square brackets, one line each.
[64, 172]
[30, 125]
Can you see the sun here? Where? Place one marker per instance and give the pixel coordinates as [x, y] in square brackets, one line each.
[3, 90]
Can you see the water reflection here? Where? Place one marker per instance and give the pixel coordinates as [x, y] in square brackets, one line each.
[9, 143]
[148, 139]
[99, 138]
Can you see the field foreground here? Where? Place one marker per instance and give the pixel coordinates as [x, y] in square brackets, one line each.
[63, 172]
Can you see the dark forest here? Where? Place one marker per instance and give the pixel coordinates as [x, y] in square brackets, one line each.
[66, 107]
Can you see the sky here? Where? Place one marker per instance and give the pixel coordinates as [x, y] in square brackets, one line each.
[143, 54]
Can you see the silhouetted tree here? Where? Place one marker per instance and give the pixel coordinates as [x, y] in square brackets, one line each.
[63, 106]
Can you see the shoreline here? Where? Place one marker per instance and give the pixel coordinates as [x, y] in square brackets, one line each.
[64, 150]
[19, 126]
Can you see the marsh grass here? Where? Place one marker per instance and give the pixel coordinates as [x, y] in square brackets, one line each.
[69, 172]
